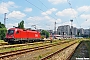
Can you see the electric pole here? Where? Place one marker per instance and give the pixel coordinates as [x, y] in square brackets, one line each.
[71, 27]
[5, 19]
[55, 30]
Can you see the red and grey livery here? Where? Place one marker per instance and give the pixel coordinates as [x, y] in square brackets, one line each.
[20, 35]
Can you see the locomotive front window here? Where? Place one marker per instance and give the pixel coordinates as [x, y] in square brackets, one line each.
[10, 31]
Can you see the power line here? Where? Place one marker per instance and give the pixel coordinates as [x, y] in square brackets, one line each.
[43, 11]
[72, 10]
[46, 7]
[43, 4]
[9, 10]
[70, 7]
[38, 8]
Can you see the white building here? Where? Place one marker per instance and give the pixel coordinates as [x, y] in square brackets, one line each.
[81, 31]
[86, 31]
[74, 31]
[63, 30]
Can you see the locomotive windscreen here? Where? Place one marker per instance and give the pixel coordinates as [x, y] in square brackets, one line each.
[10, 32]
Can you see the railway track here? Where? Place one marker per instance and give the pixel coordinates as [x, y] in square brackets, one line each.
[18, 52]
[19, 45]
[51, 55]
[3, 43]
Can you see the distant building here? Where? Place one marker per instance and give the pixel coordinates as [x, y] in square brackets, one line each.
[50, 31]
[86, 31]
[80, 31]
[40, 30]
[74, 31]
[63, 30]
[60, 30]
[66, 29]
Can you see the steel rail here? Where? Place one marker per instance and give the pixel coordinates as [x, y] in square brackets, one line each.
[49, 56]
[12, 53]
[69, 57]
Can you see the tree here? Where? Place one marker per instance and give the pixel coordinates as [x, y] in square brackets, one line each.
[21, 25]
[3, 31]
[45, 33]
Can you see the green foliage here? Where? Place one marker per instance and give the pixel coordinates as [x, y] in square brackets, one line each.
[45, 33]
[21, 25]
[42, 36]
[3, 31]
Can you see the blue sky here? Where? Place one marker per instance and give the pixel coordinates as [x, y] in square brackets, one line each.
[43, 13]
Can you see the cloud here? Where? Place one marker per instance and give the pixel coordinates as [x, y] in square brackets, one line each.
[86, 24]
[48, 12]
[10, 25]
[7, 4]
[35, 18]
[58, 20]
[85, 16]
[69, 23]
[84, 8]
[28, 10]
[4, 7]
[29, 25]
[3, 10]
[67, 12]
[16, 14]
[57, 1]
[42, 21]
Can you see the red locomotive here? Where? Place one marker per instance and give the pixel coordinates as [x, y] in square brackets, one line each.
[20, 35]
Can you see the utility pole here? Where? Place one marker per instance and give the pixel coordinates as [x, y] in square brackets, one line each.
[55, 28]
[71, 27]
[5, 19]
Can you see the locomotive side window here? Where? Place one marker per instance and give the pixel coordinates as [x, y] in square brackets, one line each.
[10, 32]
[17, 32]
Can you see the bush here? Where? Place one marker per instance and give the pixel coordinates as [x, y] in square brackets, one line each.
[2, 33]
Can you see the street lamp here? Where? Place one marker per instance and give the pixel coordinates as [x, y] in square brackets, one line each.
[71, 27]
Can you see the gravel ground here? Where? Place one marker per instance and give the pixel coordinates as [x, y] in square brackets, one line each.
[64, 54]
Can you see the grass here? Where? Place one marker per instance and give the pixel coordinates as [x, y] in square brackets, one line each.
[87, 42]
[29, 46]
[24, 47]
[1, 41]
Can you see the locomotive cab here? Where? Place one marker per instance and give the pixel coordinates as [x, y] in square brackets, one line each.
[10, 35]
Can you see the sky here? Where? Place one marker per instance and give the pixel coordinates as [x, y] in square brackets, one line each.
[44, 13]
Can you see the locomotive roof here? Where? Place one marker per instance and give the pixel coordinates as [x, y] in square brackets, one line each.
[22, 29]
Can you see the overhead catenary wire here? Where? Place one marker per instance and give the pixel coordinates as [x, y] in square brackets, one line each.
[39, 8]
[52, 13]
[45, 6]
[78, 15]
[70, 7]
[9, 10]
[72, 11]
